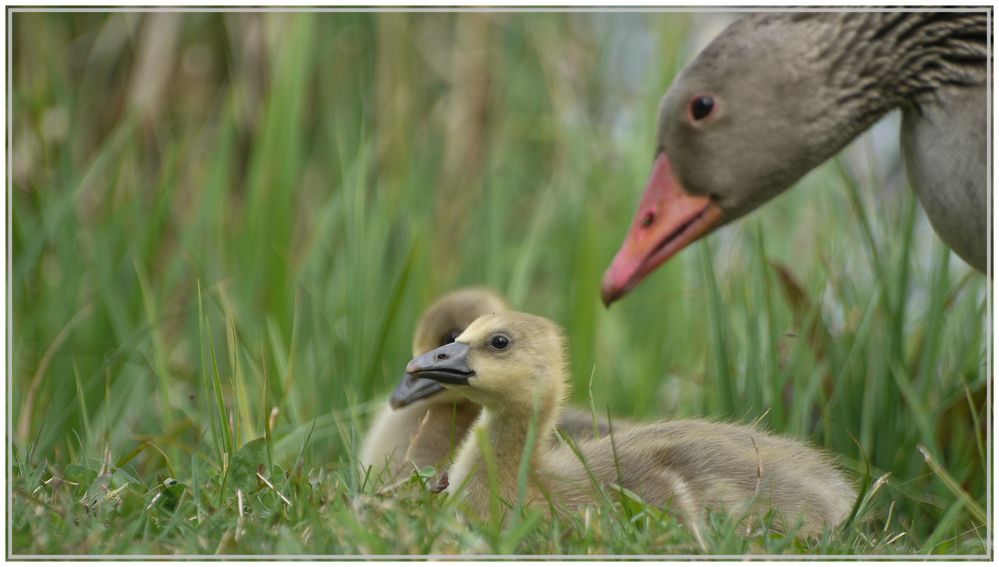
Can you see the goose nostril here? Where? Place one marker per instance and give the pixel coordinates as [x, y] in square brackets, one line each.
[440, 356]
[648, 219]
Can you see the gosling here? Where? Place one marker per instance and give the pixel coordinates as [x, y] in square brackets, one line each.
[514, 365]
[422, 423]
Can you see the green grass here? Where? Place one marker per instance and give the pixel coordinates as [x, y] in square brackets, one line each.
[223, 281]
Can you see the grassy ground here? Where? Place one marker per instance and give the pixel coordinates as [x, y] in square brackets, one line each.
[225, 226]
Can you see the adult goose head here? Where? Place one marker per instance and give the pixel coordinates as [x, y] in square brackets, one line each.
[775, 95]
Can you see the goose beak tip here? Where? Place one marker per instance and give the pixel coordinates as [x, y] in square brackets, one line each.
[667, 220]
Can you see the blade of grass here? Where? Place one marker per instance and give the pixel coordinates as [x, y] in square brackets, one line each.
[952, 485]
[723, 385]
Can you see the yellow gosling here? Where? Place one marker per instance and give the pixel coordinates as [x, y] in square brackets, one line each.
[422, 423]
[514, 365]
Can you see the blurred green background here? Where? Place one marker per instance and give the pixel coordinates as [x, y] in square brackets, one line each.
[220, 219]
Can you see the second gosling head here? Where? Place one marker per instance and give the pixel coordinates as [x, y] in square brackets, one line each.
[503, 361]
[441, 324]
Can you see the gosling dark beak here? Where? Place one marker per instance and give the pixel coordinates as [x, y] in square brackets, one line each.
[447, 365]
[412, 389]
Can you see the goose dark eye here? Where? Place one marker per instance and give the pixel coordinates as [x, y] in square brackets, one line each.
[450, 336]
[701, 107]
[499, 342]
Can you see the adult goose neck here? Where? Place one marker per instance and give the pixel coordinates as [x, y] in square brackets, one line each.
[885, 59]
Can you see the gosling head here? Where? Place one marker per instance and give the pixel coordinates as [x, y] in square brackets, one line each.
[441, 324]
[503, 361]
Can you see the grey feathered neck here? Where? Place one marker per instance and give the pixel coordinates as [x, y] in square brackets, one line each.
[903, 56]
[900, 55]
[872, 62]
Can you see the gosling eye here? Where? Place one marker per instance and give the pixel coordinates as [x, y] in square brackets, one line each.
[701, 107]
[450, 336]
[499, 342]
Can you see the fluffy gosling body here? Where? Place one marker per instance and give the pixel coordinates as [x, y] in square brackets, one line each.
[514, 365]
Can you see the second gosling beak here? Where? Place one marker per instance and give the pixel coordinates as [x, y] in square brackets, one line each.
[412, 389]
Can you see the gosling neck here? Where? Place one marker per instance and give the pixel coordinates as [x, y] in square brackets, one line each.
[507, 431]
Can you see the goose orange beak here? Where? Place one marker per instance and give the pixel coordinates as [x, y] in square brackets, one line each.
[668, 219]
